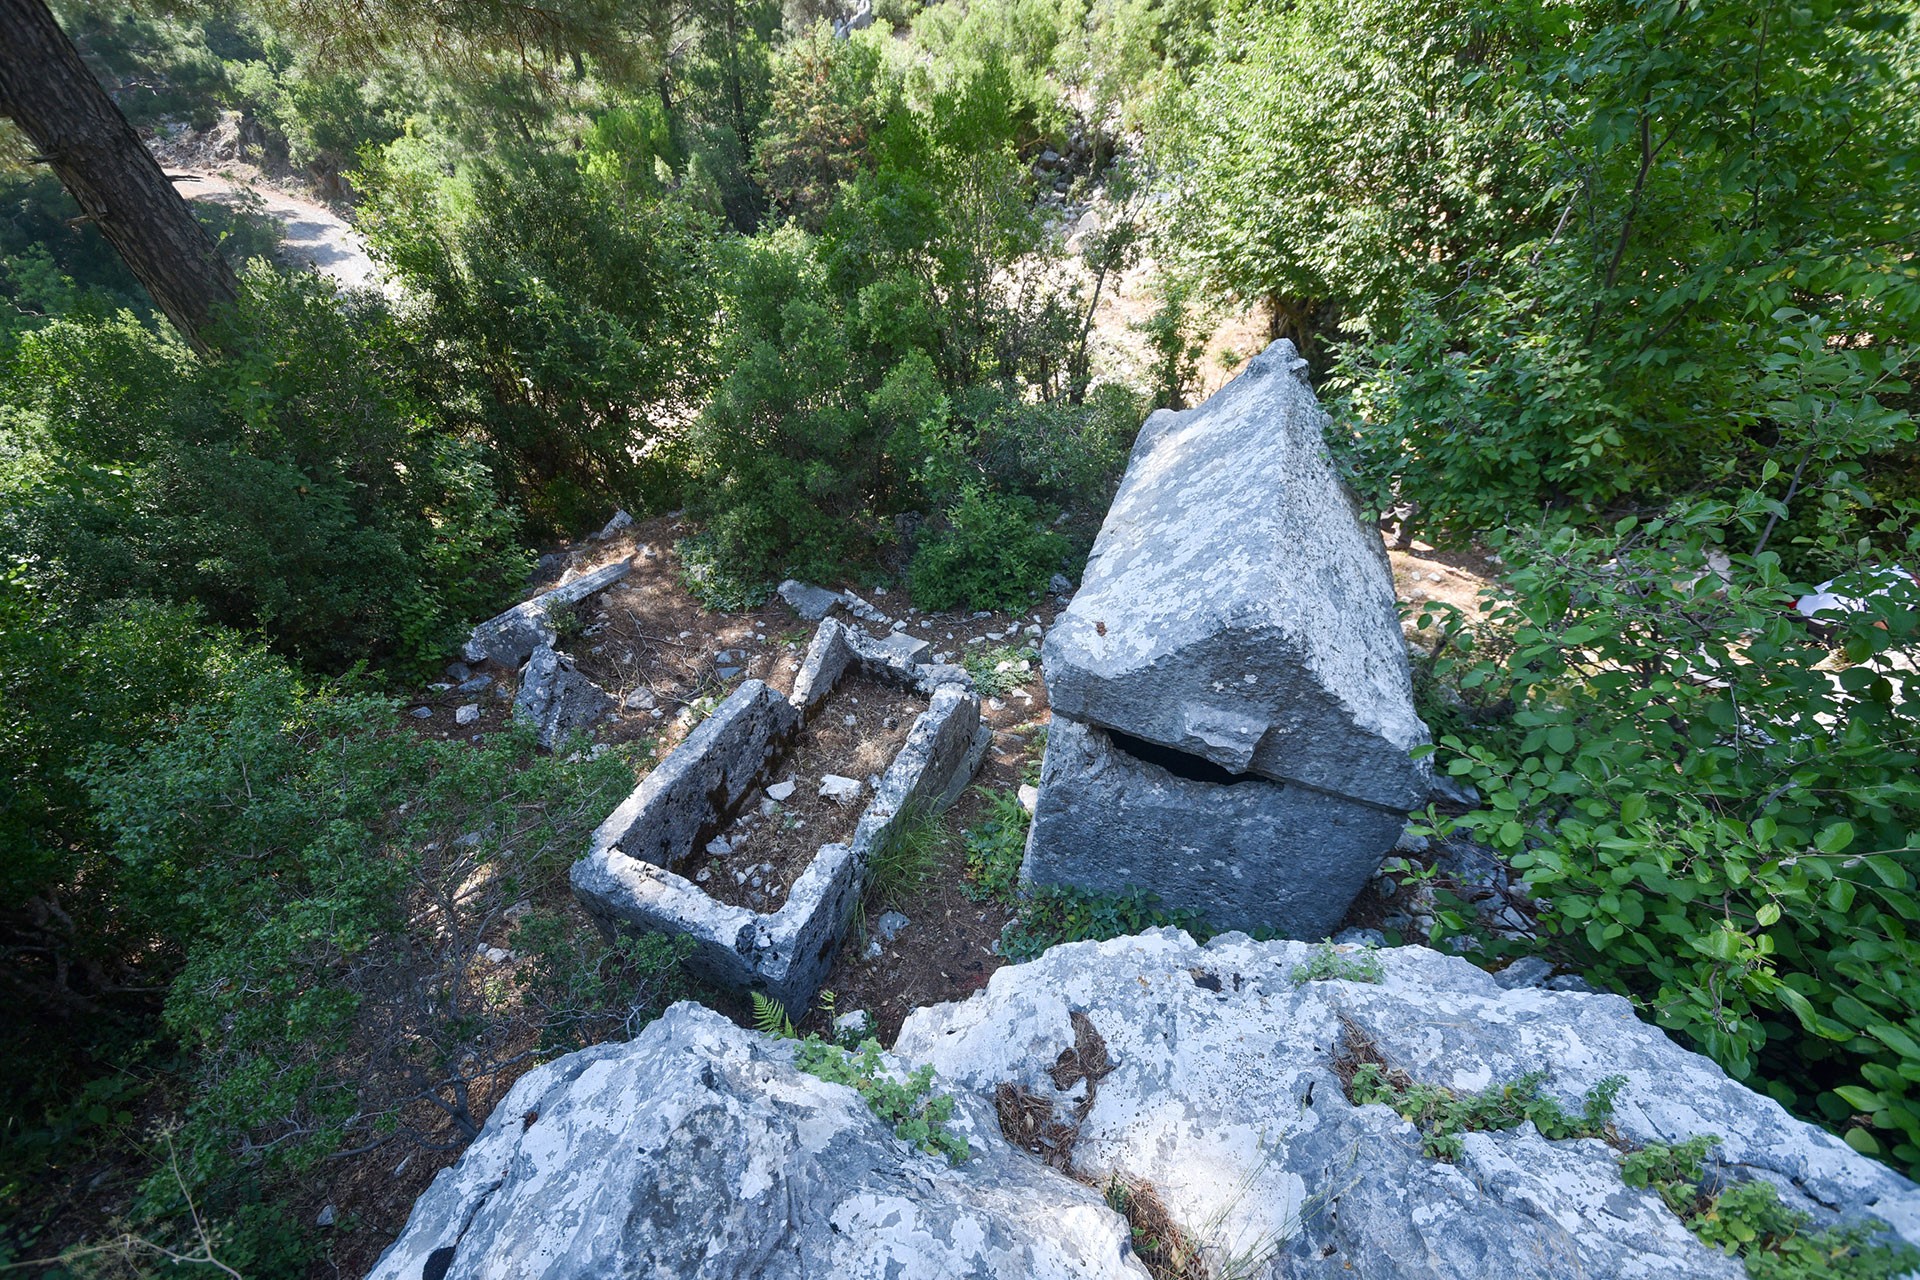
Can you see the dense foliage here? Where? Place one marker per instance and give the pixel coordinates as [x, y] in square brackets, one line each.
[1624, 289]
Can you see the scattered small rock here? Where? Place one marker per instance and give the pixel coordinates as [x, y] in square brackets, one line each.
[1527, 971]
[421, 713]
[466, 714]
[640, 700]
[781, 790]
[838, 789]
[1029, 796]
[889, 925]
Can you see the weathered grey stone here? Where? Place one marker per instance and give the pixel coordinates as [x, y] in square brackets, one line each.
[787, 953]
[556, 698]
[511, 637]
[1236, 608]
[621, 520]
[907, 649]
[696, 1151]
[1246, 854]
[828, 656]
[1224, 1098]
[701, 780]
[810, 602]
[941, 754]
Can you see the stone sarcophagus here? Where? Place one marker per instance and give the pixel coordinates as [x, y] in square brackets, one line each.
[1233, 712]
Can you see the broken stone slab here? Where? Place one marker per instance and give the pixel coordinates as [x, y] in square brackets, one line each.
[810, 602]
[698, 1150]
[1223, 1096]
[511, 637]
[829, 654]
[1235, 607]
[702, 780]
[1112, 816]
[621, 520]
[899, 659]
[904, 649]
[556, 698]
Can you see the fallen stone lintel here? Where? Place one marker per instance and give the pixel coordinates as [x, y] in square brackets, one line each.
[510, 638]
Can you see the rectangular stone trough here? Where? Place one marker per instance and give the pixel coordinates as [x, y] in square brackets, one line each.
[627, 881]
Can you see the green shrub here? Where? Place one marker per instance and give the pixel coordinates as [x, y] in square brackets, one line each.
[323, 880]
[566, 313]
[294, 486]
[990, 552]
[1714, 816]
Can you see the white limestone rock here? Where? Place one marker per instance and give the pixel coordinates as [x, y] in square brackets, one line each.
[697, 1151]
[1223, 1096]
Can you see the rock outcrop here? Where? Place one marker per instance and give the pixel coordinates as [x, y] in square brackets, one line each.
[1224, 1097]
[1206, 1073]
[1235, 628]
[697, 1150]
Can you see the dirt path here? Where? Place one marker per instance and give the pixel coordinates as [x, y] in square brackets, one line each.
[314, 235]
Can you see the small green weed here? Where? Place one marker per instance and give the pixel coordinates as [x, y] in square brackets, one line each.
[995, 848]
[1443, 1115]
[1749, 1221]
[1054, 914]
[569, 622]
[919, 1115]
[1330, 963]
[906, 857]
[995, 668]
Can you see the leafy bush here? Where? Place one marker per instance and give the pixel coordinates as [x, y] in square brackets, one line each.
[991, 551]
[567, 312]
[293, 486]
[1714, 814]
[325, 881]
[1748, 1220]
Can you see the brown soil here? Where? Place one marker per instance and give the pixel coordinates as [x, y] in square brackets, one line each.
[773, 842]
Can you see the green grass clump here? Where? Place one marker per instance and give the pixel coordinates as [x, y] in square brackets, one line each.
[982, 662]
[1331, 964]
[1443, 1115]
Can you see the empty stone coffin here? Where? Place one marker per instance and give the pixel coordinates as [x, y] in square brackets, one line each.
[628, 878]
[1233, 713]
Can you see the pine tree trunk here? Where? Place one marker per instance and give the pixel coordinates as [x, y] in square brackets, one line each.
[49, 92]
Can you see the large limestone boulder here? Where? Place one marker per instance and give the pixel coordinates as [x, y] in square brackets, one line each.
[697, 1150]
[1223, 1095]
[1236, 608]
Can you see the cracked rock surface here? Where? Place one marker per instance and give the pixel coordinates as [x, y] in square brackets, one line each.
[698, 1150]
[1224, 1097]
